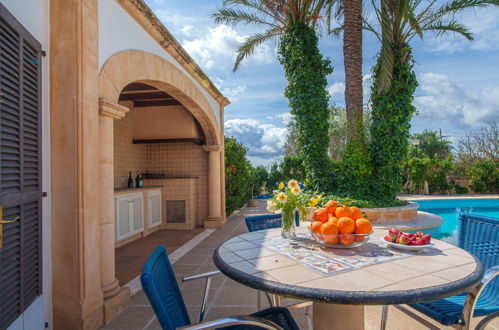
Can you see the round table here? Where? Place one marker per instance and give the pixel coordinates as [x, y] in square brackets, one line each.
[341, 281]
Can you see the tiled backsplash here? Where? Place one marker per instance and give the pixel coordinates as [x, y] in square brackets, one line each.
[172, 159]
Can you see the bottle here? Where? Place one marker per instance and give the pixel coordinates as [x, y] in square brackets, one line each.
[138, 181]
[130, 180]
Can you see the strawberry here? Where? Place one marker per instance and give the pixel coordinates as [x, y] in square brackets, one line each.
[404, 240]
[387, 238]
[393, 231]
[411, 235]
[417, 241]
[426, 239]
[419, 234]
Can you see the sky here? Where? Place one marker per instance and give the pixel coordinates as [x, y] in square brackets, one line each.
[458, 79]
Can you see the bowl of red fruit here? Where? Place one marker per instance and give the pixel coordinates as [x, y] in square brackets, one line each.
[407, 241]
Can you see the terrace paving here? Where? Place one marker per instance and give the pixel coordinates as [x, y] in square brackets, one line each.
[228, 297]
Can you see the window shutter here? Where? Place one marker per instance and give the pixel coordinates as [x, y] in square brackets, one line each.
[20, 168]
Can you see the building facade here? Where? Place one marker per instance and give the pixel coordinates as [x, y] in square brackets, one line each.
[93, 92]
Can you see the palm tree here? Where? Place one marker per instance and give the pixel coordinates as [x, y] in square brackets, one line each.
[394, 80]
[352, 56]
[293, 23]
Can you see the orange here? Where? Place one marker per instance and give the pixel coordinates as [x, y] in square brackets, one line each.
[331, 206]
[363, 226]
[343, 211]
[346, 239]
[359, 238]
[333, 220]
[316, 227]
[321, 215]
[346, 225]
[330, 232]
[356, 213]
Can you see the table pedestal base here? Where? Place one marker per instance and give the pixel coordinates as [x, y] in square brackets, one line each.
[341, 317]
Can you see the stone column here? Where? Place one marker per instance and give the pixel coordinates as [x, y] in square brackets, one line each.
[215, 217]
[77, 300]
[115, 297]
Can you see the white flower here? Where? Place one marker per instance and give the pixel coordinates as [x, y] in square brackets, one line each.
[271, 207]
[292, 184]
[282, 197]
[296, 190]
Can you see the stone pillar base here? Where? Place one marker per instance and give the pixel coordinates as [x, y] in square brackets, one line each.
[214, 223]
[116, 304]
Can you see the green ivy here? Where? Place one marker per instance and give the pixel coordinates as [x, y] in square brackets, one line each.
[306, 71]
[392, 110]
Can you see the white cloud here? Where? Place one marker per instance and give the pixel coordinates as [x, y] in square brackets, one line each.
[232, 93]
[262, 140]
[219, 46]
[447, 102]
[337, 90]
[187, 30]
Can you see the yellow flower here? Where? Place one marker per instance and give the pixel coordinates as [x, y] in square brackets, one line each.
[282, 197]
[296, 190]
[314, 201]
[292, 184]
[281, 185]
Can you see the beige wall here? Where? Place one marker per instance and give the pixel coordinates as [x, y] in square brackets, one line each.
[172, 159]
[173, 122]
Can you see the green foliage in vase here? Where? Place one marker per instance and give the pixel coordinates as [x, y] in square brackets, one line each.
[306, 70]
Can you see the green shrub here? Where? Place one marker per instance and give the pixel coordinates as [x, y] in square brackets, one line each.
[238, 175]
[434, 171]
[459, 190]
[484, 177]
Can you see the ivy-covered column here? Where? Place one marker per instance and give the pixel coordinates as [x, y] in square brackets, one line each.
[306, 72]
[392, 111]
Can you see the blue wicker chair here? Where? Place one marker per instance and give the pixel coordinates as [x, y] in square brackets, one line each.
[267, 221]
[479, 236]
[160, 285]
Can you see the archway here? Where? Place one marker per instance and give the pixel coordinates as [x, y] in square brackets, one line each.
[145, 69]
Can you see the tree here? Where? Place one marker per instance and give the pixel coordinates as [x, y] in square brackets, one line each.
[261, 176]
[431, 145]
[479, 145]
[294, 22]
[238, 175]
[394, 80]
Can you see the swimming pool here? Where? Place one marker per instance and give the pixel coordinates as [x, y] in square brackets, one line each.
[449, 209]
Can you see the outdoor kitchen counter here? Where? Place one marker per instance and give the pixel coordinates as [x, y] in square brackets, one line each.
[122, 191]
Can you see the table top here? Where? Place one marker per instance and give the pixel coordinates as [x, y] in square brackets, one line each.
[371, 274]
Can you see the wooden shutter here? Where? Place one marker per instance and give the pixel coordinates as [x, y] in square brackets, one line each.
[20, 168]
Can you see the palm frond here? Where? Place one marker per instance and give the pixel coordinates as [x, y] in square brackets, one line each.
[450, 27]
[232, 16]
[456, 6]
[250, 44]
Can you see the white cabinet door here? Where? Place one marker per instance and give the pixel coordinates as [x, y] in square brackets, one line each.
[129, 215]
[154, 198]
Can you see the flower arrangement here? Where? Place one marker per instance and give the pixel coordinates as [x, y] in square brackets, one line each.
[289, 198]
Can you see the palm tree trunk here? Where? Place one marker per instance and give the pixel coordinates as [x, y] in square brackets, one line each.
[352, 53]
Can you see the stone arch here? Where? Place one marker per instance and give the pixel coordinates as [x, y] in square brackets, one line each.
[139, 66]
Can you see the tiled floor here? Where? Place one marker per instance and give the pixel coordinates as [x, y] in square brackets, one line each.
[230, 298]
[131, 258]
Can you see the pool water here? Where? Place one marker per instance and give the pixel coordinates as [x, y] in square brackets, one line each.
[449, 209]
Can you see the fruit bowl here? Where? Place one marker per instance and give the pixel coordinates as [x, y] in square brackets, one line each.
[341, 241]
[410, 248]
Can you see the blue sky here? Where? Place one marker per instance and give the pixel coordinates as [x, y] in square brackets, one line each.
[458, 80]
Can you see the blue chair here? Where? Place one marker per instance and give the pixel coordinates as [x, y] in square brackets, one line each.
[160, 285]
[267, 221]
[479, 236]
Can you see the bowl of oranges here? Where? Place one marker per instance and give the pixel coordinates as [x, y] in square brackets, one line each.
[340, 226]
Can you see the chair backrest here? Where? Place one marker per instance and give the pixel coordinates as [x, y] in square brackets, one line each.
[479, 236]
[267, 221]
[161, 287]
